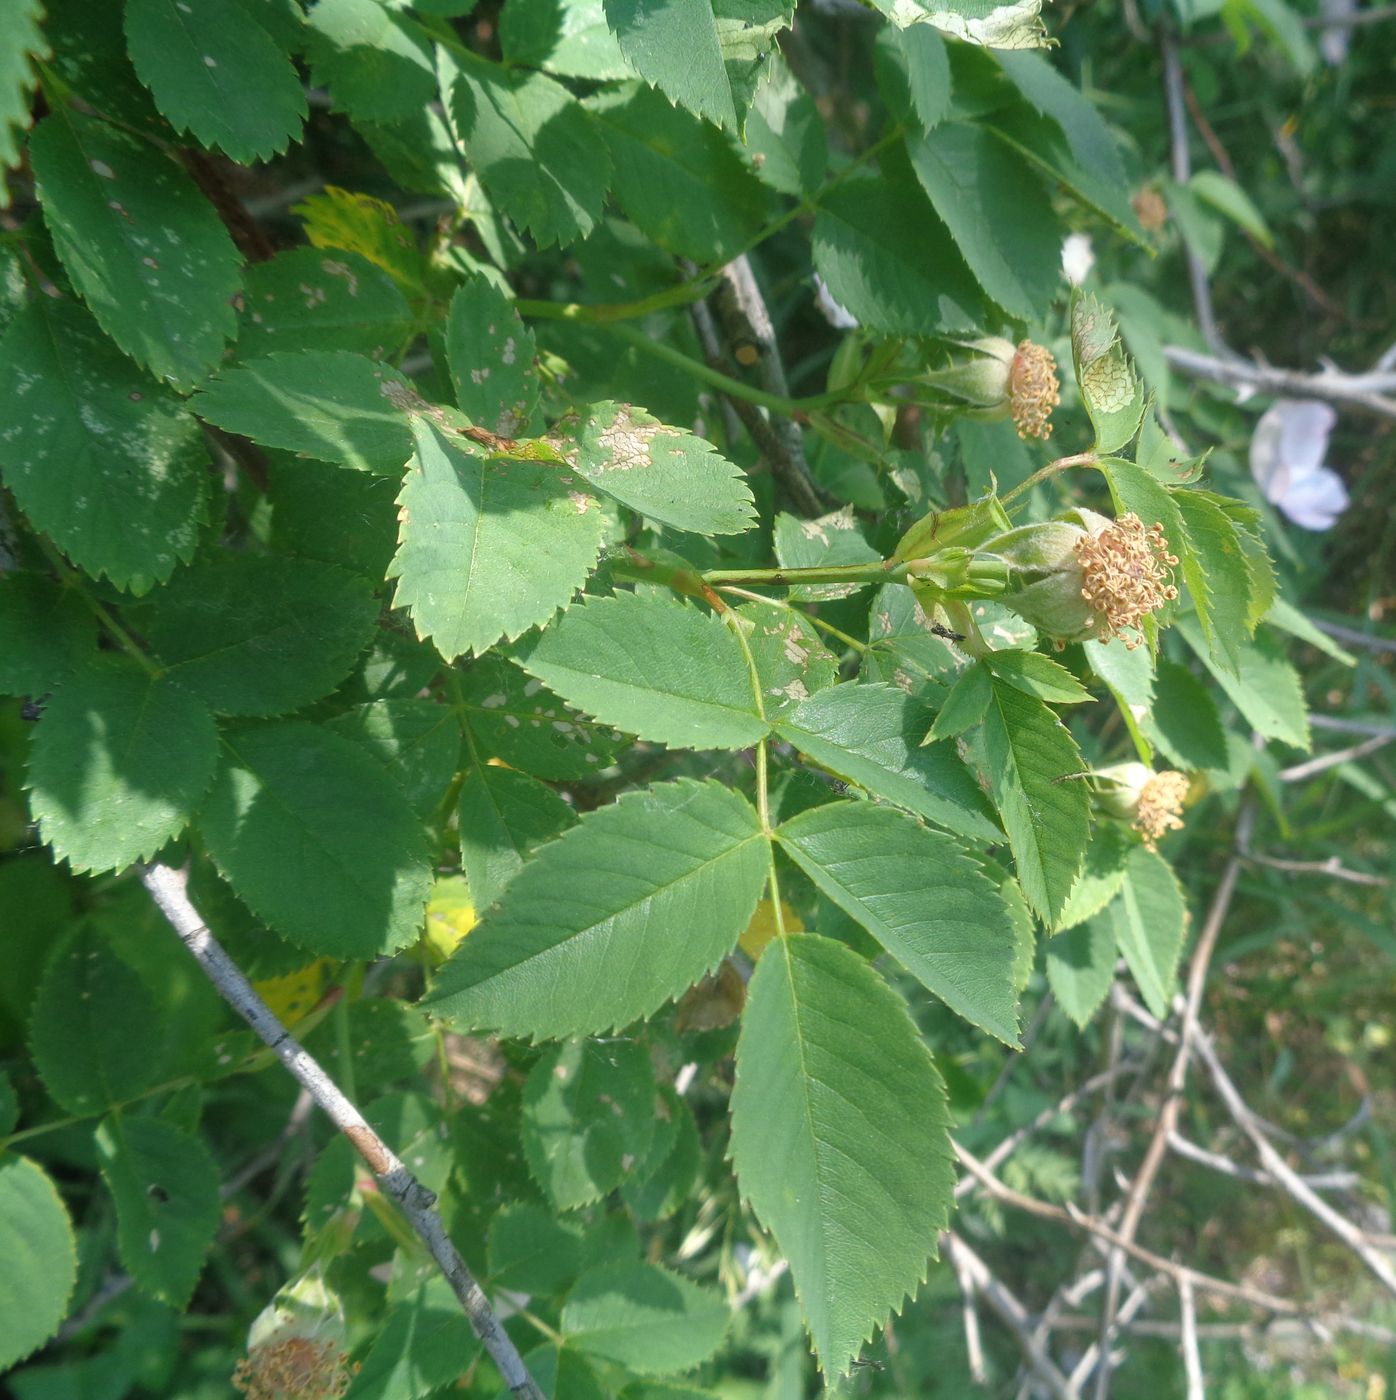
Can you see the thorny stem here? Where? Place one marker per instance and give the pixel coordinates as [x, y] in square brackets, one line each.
[818, 622]
[884, 571]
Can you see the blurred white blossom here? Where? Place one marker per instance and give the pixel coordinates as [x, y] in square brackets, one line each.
[1287, 452]
[832, 312]
[1333, 41]
[1078, 257]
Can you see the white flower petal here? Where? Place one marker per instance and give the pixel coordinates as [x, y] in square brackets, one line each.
[1265, 452]
[1316, 500]
[1306, 426]
[1078, 257]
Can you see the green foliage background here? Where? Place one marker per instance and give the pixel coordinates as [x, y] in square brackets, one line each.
[385, 538]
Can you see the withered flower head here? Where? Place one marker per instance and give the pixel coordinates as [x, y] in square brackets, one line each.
[1125, 575]
[293, 1368]
[1161, 806]
[1033, 390]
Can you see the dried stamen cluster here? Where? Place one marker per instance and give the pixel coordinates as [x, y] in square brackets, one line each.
[293, 1368]
[1161, 806]
[1125, 576]
[1033, 390]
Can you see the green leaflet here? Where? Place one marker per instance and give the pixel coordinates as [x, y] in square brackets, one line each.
[999, 24]
[1110, 389]
[966, 703]
[588, 1109]
[1218, 577]
[1129, 676]
[707, 56]
[531, 1251]
[785, 134]
[102, 459]
[332, 405]
[21, 43]
[1149, 919]
[569, 39]
[1184, 721]
[491, 355]
[1035, 674]
[998, 214]
[259, 635]
[1102, 874]
[376, 61]
[664, 1179]
[618, 915]
[889, 263]
[925, 901]
[95, 1031]
[829, 541]
[487, 549]
[660, 472]
[914, 73]
[120, 763]
[46, 635]
[512, 717]
[317, 840]
[840, 1137]
[1032, 763]
[652, 666]
[871, 735]
[165, 1185]
[644, 1318]
[40, 1254]
[322, 299]
[504, 814]
[1266, 688]
[792, 663]
[147, 250]
[676, 178]
[534, 146]
[417, 742]
[1081, 967]
[219, 76]
[425, 1343]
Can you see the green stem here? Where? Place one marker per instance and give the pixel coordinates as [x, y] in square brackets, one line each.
[1081, 459]
[777, 403]
[683, 294]
[818, 622]
[884, 571]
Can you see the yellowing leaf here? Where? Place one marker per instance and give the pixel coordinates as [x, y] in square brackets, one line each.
[291, 997]
[762, 927]
[450, 916]
[361, 224]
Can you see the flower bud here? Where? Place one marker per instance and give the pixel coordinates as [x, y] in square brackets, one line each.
[1087, 577]
[1003, 380]
[1151, 802]
[960, 526]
